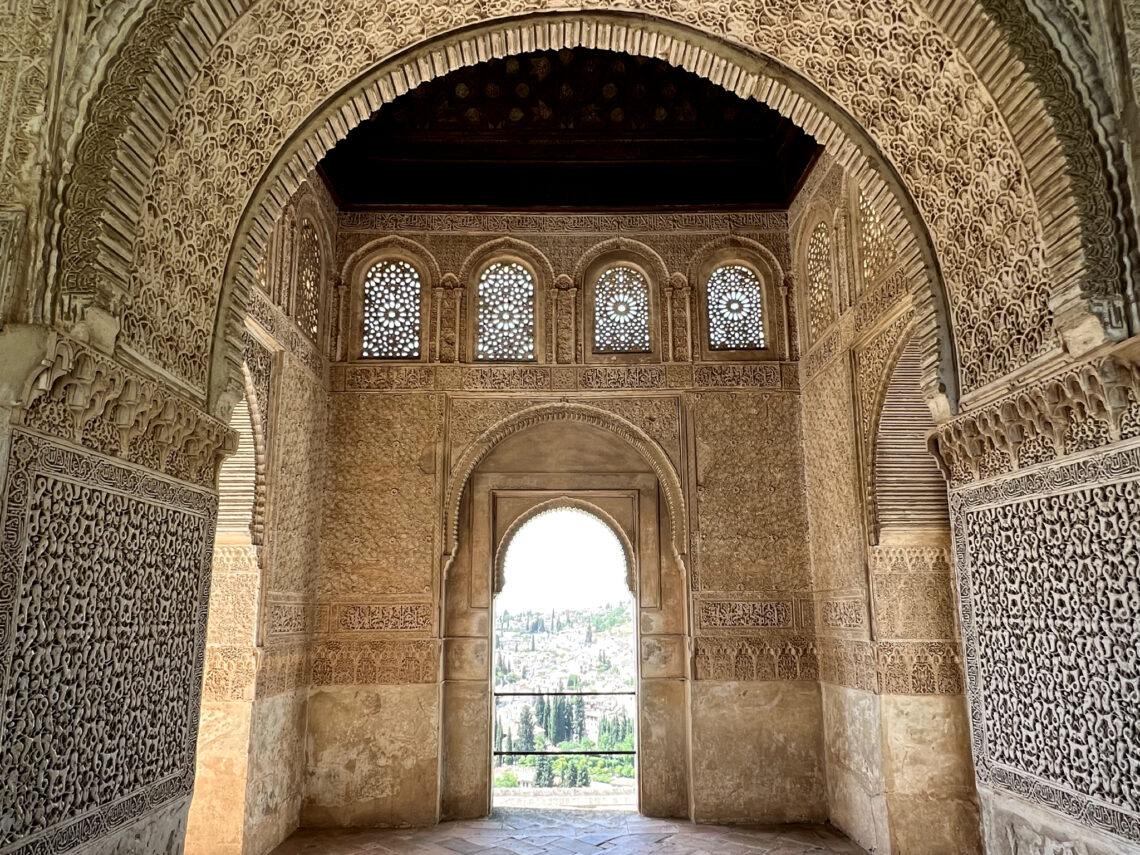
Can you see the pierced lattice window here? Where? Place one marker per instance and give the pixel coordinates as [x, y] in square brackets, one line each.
[505, 313]
[877, 250]
[392, 311]
[821, 304]
[735, 309]
[308, 295]
[621, 312]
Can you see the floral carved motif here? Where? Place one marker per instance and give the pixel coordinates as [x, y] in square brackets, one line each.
[751, 613]
[283, 669]
[289, 618]
[383, 617]
[751, 658]
[375, 662]
[842, 614]
[918, 668]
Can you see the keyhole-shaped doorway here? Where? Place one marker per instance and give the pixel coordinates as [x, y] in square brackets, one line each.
[565, 667]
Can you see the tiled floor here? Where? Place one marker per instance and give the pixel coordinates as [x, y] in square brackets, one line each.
[517, 831]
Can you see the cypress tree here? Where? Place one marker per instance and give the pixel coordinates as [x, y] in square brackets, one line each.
[526, 730]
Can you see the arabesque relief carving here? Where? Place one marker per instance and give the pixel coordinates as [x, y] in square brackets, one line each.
[94, 401]
[375, 662]
[1069, 526]
[101, 628]
[756, 658]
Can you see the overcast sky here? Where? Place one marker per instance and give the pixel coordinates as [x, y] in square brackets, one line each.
[563, 559]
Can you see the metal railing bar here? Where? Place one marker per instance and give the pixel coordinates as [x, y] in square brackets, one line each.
[560, 694]
[561, 753]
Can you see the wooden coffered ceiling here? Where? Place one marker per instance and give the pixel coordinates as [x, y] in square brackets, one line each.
[571, 129]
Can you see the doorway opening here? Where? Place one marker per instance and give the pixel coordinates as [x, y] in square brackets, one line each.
[565, 667]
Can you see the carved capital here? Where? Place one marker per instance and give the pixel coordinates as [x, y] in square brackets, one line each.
[87, 398]
[1084, 408]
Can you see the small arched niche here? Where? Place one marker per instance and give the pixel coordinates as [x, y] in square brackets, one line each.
[558, 456]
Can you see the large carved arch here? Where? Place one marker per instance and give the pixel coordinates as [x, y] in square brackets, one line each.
[487, 441]
[1015, 99]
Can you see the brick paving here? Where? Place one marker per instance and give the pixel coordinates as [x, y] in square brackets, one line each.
[518, 831]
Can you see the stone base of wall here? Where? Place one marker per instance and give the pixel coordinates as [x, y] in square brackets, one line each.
[899, 775]
[1013, 826]
[372, 757]
[160, 832]
[757, 753]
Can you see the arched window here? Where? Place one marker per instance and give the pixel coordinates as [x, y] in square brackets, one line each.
[621, 311]
[876, 248]
[820, 298]
[735, 302]
[308, 294]
[393, 295]
[505, 313]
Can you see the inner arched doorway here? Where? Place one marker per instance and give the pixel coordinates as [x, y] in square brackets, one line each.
[563, 456]
[565, 662]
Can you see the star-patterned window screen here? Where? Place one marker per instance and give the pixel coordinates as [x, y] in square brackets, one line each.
[392, 298]
[621, 311]
[308, 299]
[505, 313]
[735, 309]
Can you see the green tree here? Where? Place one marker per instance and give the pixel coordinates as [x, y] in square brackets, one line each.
[584, 775]
[570, 775]
[509, 744]
[526, 730]
[507, 779]
[544, 775]
[579, 718]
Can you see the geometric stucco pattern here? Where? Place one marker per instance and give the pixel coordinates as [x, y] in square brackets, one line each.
[1067, 736]
[201, 184]
[101, 636]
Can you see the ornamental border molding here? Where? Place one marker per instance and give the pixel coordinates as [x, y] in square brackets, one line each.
[30, 454]
[1103, 468]
[563, 411]
[554, 223]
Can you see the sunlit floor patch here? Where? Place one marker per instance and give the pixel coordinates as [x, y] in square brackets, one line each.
[514, 831]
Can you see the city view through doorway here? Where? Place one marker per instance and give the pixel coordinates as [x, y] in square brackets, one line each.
[565, 671]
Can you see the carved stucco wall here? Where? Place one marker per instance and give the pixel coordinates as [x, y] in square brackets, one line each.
[398, 433]
[889, 663]
[104, 622]
[251, 767]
